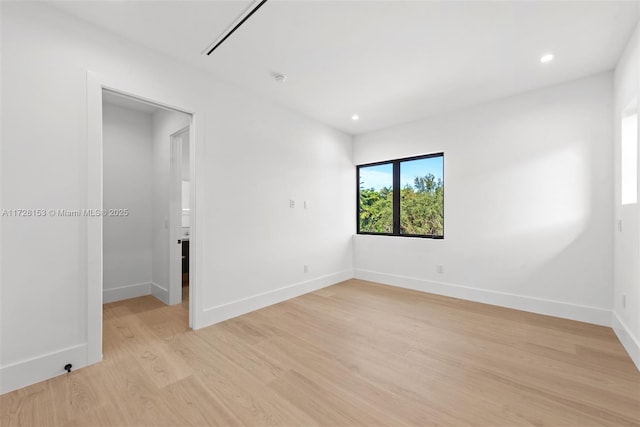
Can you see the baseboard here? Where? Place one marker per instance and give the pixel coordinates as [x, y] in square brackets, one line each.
[242, 306]
[126, 292]
[629, 342]
[31, 371]
[582, 313]
[159, 292]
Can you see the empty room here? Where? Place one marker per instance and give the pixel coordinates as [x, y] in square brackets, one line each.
[319, 213]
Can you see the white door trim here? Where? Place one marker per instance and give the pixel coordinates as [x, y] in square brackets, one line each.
[175, 218]
[94, 224]
[95, 85]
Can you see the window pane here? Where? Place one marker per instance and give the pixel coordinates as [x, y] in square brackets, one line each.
[422, 197]
[376, 199]
[629, 165]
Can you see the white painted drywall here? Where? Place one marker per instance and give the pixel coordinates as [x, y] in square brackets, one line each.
[627, 240]
[260, 242]
[127, 184]
[186, 171]
[528, 183]
[165, 123]
[251, 157]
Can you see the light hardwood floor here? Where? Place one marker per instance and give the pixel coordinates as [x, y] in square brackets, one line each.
[355, 353]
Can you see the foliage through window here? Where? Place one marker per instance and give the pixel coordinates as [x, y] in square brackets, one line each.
[403, 197]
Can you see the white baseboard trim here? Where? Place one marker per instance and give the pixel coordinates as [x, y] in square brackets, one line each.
[242, 306]
[629, 342]
[31, 371]
[159, 292]
[582, 313]
[126, 292]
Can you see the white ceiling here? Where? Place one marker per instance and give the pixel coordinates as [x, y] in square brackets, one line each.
[388, 61]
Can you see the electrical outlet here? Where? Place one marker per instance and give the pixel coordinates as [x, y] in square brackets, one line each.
[306, 205]
[624, 301]
[620, 225]
[306, 268]
[292, 204]
[440, 269]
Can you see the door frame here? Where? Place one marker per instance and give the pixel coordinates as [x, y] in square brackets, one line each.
[175, 217]
[94, 186]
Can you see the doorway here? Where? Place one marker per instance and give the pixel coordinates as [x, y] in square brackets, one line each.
[100, 227]
[145, 200]
[180, 216]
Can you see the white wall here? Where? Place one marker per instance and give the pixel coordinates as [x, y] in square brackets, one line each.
[165, 123]
[257, 241]
[627, 241]
[528, 183]
[186, 172]
[251, 158]
[128, 185]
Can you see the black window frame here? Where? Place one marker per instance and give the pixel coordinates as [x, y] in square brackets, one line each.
[396, 196]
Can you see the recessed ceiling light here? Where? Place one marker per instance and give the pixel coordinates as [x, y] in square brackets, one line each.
[355, 117]
[546, 58]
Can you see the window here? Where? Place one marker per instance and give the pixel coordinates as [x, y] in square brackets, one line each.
[402, 197]
[629, 160]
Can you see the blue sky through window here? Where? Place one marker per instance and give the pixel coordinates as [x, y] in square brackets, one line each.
[380, 176]
[377, 177]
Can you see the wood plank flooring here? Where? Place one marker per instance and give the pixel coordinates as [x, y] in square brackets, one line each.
[355, 353]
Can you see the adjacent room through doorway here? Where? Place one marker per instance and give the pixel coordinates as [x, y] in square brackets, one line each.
[146, 201]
